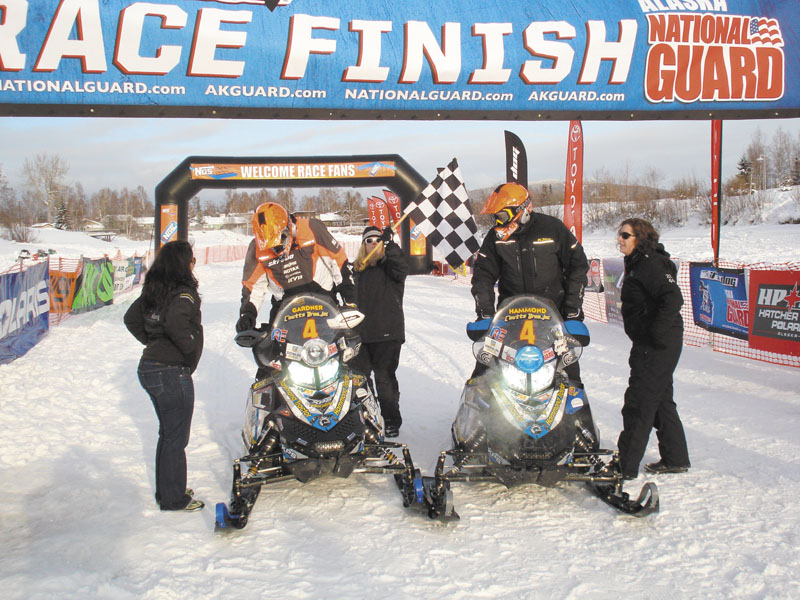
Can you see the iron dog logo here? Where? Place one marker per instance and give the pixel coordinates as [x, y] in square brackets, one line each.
[713, 57]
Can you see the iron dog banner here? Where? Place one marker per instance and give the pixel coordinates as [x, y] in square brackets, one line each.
[468, 59]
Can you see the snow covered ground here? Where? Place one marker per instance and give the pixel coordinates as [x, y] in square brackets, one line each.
[79, 434]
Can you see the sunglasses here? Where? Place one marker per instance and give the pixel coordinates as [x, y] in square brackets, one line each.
[625, 235]
[372, 240]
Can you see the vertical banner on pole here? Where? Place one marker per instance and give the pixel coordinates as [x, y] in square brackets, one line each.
[573, 184]
[169, 223]
[378, 213]
[716, 185]
[395, 208]
[516, 161]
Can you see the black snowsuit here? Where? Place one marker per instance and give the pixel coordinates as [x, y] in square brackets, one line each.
[651, 304]
[379, 295]
[542, 257]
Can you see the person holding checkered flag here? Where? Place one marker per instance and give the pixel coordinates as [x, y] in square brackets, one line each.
[528, 253]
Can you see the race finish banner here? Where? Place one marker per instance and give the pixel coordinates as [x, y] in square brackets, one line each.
[455, 59]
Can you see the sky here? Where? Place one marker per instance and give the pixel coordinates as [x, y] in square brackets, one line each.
[79, 434]
[117, 152]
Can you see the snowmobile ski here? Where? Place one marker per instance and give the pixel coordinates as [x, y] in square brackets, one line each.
[646, 504]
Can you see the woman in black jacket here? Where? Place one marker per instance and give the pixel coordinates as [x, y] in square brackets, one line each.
[651, 305]
[166, 319]
[380, 283]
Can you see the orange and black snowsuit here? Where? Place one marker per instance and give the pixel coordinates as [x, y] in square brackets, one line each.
[316, 262]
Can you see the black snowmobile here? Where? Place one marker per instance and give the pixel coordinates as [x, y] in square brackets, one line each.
[523, 420]
[312, 416]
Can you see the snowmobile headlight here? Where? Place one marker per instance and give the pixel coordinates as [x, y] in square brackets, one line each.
[328, 371]
[301, 374]
[542, 378]
[314, 378]
[515, 379]
[528, 383]
[314, 352]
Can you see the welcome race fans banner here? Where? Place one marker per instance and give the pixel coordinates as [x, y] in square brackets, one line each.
[24, 310]
[468, 59]
[719, 299]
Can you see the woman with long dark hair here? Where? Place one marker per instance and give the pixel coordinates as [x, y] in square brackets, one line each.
[166, 319]
[651, 313]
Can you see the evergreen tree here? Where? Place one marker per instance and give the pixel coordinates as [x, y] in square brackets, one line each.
[62, 216]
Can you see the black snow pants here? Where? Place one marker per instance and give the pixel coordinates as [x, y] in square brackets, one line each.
[649, 403]
[382, 359]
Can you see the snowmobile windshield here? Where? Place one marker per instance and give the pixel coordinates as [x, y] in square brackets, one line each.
[522, 336]
[308, 328]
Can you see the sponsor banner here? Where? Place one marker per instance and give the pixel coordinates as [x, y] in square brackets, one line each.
[169, 223]
[719, 299]
[516, 160]
[595, 276]
[62, 291]
[24, 310]
[775, 311]
[613, 275]
[378, 213]
[395, 205]
[138, 270]
[293, 171]
[482, 59]
[124, 273]
[573, 183]
[95, 285]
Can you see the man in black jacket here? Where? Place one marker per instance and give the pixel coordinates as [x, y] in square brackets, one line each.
[528, 253]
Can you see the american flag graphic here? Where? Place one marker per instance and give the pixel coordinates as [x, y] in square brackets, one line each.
[765, 32]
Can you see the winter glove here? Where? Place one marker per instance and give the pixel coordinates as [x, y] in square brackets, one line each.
[484, 314]
[572, 314]
[386, 236]
[247, 317]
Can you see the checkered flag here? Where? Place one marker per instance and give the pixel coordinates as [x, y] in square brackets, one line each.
[442, 213]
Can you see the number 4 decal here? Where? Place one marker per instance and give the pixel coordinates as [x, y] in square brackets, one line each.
[527, 332]
[310, 330]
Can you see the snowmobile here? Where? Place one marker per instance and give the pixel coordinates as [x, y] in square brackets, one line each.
[310, 416]
[522, 420]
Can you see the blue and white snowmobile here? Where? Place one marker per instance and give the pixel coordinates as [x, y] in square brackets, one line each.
[311, 416]
[522, 420]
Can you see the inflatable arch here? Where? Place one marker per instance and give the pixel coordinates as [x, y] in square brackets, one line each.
[196, 173]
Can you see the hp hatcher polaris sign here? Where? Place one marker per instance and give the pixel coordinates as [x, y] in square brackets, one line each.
[464, 59]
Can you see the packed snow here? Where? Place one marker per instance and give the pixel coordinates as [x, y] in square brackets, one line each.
[79, 434]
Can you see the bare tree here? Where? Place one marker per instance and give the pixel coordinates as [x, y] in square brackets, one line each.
[44, 176]
[780, 154]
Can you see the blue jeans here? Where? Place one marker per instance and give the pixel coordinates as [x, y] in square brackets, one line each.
[172, 392]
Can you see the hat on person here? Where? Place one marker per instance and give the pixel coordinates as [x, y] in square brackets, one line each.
[369, 232]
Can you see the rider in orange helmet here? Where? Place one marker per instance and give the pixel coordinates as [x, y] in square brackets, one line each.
[528, 253]
[288, 256]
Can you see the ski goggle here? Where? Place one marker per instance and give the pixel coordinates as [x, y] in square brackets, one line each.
[506, 215]
[281, 247]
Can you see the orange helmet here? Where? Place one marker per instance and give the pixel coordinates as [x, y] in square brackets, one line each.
[271, 227]
[507, 203]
